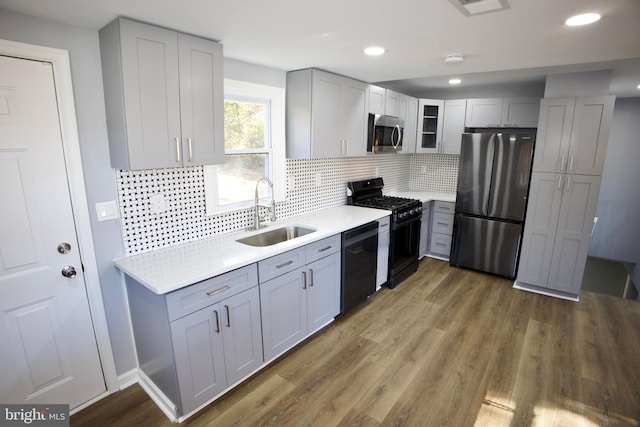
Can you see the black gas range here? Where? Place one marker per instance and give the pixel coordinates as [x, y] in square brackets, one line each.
[406, 214]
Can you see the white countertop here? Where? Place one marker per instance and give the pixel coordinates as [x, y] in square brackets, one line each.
[168, 269]
[424, 196]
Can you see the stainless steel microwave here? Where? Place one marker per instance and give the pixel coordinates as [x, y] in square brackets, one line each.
[385, 134]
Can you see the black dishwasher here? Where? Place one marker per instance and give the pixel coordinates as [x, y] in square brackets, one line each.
[359, 263]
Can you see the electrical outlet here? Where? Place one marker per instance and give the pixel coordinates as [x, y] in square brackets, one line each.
[377, 171]
[158, 203]
[318, 179]
[291, 183]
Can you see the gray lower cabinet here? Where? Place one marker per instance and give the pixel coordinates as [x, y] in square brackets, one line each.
[556, 237]
[303, 298]
[195, 342]
[425, 227]
[441, 229]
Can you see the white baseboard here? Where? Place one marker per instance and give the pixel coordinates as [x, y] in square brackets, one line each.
[163, 402]
[547, 292]
[128, 379]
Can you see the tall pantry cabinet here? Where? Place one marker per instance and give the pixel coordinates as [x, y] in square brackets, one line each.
[568, 161]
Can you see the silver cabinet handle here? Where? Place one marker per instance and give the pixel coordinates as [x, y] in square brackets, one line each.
[217, 321]
[284, 264]
[304, 280]
[567, 188]
[190, 150]
[228, 316]
[325, 249]
[177, 150]
[562, 163]
[559, 186]
[310, 277]
[571, 164]
[217, 291]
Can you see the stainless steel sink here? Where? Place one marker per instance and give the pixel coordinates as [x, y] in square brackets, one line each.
[277, 235]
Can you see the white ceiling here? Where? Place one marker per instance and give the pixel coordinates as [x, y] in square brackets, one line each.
[522, 43]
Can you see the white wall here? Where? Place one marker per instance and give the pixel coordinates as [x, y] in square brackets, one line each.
[99, 177]
[617, 234]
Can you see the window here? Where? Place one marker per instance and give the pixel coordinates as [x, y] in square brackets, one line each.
[254, 147]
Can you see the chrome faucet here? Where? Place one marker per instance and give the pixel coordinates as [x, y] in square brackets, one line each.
[272, 206]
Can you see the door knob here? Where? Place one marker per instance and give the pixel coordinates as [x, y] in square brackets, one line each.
[69, 272]
[64, 248]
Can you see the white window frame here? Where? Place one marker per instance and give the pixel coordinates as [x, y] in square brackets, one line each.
[275, 97]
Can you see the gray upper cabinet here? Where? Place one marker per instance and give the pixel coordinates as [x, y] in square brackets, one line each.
[326, 115]
[164, 96]
[573, 135]
[502, 112]
[453, 125]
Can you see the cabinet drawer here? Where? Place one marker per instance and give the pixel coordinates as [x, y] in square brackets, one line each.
[322, 248]
[210, 291]
[440, 244]
[280, 264]
[442, 223]
[444, 207]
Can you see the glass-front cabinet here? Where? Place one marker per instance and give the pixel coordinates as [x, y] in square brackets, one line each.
[430, 119]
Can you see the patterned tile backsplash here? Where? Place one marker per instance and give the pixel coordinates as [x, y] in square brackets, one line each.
[184, 220]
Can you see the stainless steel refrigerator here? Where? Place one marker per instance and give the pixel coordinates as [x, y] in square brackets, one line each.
[493, 185]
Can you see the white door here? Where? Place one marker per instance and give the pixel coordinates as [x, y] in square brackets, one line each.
[49, 352]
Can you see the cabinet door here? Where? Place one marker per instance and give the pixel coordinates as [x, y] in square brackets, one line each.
[201, 101]
[377, 99]
[353, 118]
[543, 209]
[382, 270]
[453, 125]
[242, 334]
[150, 95]
[554, 135]
[391, 104]
[579, 201]
[199, 357]
[430, 116]
[590, 135]
[323, 292]
[520, 112]
[326, 140]
[483, 112]
[410, 125]
[284, 313]
[425, 227]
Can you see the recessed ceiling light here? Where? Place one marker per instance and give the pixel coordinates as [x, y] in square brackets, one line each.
[583, 19]
[374, 50]
[455, 81]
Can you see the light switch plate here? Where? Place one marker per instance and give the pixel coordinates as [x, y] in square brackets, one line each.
[107, 210]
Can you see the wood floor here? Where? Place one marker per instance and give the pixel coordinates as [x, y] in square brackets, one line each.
[447, 347]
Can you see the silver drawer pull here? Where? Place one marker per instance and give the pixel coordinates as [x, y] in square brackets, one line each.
[443, 223]
[325, 249]
[217, 291]
[310, 277]
[304, 280]
[440, 244]
[228, 316]
[284, 264]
